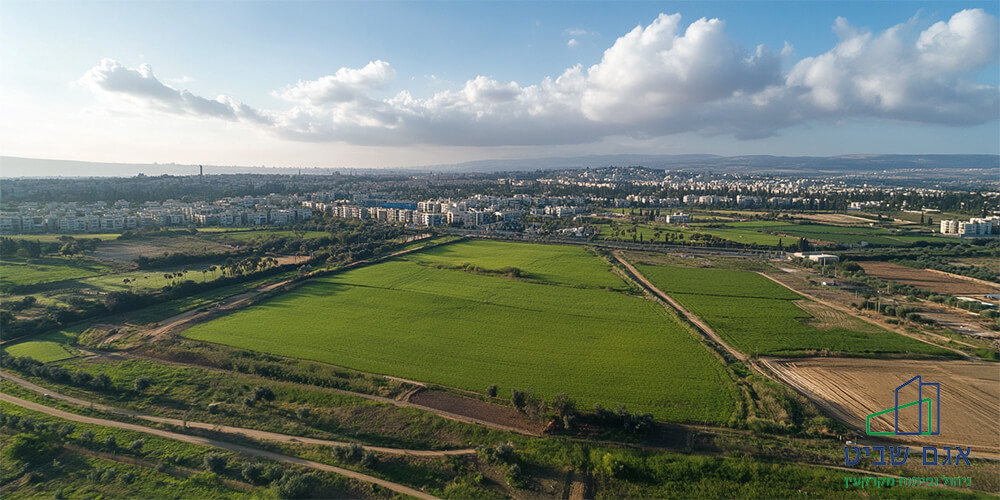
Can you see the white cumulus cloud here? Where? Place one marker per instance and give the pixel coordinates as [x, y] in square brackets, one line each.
[655, 80]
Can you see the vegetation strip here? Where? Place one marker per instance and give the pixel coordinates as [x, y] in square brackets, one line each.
[217, 444]
[251, 433]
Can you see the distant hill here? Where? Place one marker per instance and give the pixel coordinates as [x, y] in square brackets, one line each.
[805, 166]
[760, 164]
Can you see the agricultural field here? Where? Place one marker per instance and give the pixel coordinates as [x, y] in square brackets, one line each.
[55, 345]
[757, 316]
[927, 279]
[454, 316]
[770, 233]
[852, 389]
[155, 246]
[18, 272]
[246, 235]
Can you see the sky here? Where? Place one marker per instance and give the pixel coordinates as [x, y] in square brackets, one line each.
[381, 84]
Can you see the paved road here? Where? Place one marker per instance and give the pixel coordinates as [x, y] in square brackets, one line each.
[238, 431]
[216, 444]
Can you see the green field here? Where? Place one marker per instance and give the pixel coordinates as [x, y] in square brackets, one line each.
[17, 271]
[566, 326]
[757, 316]
[770, 233]
[244, 235]
[48, 347]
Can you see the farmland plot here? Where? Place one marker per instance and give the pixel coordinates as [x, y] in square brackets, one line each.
[853, 389]
[565, 328]
[757, 316]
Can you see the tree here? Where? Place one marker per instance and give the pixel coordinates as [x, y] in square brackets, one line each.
[136, 446]
[29, 448]
[803, 245]
[142, 383]
[519, 399]
[102, 382]
[215, 462]
[563, 405]
[111, 443]
[491, 391]
[263, 393]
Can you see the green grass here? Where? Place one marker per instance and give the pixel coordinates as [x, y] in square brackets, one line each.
[245, 235]
[47, 347]
[16, 271]
[757, 316]
[560, 331]
[49, 238]
[42, 350]
[151, 279]
[770, 233]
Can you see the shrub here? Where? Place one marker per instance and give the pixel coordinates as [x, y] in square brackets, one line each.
[136, 446]
[519, 399]
[111, 443]
[491, 391]
[253, 472]
[142, 383]
[215, 462]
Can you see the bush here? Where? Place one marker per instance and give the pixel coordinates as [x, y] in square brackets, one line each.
[294, 486]
[369, 459]
[491, 391]
[29, 448]
[519, 399]
[253, 472]
[563, 405]
[215, 462]
[142, 383]
[136, 446]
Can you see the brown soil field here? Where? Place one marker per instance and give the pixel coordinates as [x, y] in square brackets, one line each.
[826, 318]
[840, 219]
[851, 389]
[926, 279]
[476, 409]
[155, 247]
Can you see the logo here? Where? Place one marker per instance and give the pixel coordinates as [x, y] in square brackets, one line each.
[920, 404]
[928, 395]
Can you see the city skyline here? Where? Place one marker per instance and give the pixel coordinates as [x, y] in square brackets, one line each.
[341, 84]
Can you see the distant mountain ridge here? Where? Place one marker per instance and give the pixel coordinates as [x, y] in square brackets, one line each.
[806, 166]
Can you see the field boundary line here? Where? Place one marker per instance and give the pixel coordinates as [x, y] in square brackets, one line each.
[865, 319]
[399, 488]
[688, 315]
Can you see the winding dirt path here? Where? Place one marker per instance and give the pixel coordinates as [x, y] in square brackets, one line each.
[688, 315]
[238, 431]
[399, 488]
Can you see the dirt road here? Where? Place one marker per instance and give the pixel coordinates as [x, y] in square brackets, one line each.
[695, 320]
[238, 431]
[879, 324]
[405, 490]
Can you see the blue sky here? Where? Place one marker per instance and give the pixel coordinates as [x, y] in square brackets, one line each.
[388, 83]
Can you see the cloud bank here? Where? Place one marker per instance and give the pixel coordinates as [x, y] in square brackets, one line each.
[656, 80]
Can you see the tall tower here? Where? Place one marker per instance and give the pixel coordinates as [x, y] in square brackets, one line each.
[201, 171]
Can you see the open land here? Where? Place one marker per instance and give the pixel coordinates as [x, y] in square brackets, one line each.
[934, 281]
[851, 389]
[758, 316]
[451, 316]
